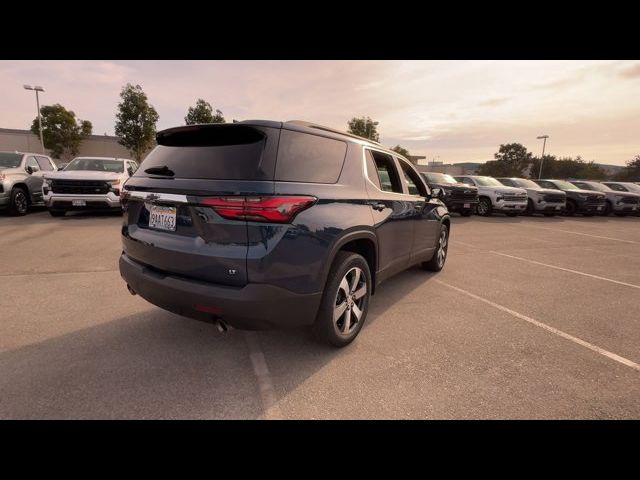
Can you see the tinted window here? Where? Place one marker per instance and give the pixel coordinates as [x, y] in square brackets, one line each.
[224, 152]
[506, 181]
[387, 173]
[467, 181]
[372, 171]
[96, 165]
[617, 187]
[545, 184]
[309, 158]
[414, 184]
[44, 163]
[10, 160]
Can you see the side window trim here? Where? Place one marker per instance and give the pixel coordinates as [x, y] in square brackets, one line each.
[395, 165]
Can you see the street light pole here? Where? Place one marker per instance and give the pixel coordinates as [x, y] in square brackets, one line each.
[544, 144]
[38, 89]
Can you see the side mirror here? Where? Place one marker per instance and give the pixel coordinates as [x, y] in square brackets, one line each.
[436, 193]
[130, 171]
[30, 170]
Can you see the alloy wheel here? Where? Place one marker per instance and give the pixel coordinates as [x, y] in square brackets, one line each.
[350, 301]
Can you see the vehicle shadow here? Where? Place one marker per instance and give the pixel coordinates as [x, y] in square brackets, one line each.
[159, 365]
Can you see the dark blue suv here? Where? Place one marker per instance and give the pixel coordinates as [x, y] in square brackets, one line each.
[262, 224]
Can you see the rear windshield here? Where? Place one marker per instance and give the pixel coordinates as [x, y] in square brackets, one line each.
[10, 160]
[96, 164]
[224, 152]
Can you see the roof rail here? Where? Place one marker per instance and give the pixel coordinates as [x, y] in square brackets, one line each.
[302, 123]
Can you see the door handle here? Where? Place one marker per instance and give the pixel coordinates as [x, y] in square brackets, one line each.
[378, 206]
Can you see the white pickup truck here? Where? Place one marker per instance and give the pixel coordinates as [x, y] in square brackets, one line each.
[496, 197]
[87, 183]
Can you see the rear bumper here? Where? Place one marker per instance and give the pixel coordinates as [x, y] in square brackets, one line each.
[252, 307]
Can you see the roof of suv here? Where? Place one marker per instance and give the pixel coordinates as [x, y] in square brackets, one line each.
[25, 153]
[295, 125]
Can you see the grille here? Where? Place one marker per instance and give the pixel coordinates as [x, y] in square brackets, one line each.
[80, 187]
[630, 200]
[461, 195]
[554, 198]
[595, 199]
[514, 198]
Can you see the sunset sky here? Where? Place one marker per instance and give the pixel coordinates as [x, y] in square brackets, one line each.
[451, 110]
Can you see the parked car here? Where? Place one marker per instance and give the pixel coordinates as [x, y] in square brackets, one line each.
[586, 202]
[496, 197]
[262, 224]
[457, 196]
[547, 201]
[619, 203]
[21, 176]
[87, 183]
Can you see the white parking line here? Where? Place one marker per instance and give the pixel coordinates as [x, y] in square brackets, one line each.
[597, 277]
[584, 234]
[546, 327]
[267, 392]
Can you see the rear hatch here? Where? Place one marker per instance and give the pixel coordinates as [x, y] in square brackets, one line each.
[185, 207]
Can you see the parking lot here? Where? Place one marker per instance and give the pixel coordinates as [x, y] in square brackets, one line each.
[530, 318]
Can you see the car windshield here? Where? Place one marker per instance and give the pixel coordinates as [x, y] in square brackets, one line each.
[599, 187]
[565, 185]
[96, 164]
[524, 183]
[488, 182]
[435, 177]
[632, 187]
[10, 160]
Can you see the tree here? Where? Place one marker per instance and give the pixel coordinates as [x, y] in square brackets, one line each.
[567, 167]
[630, 173]
[135, 121]
[404, 152]
[364, 127]
[61, 131]
[511, 160]
[202, 112]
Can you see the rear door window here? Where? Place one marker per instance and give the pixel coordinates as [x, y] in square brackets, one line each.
[372, 170]
[218, 152]
[387, 172]
[307, 158]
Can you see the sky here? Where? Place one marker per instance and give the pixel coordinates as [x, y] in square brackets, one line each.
[451, 111]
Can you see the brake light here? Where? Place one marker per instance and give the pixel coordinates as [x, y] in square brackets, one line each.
[260, 209]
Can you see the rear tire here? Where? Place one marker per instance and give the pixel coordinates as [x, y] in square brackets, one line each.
[19, 201]
[346, 295]
[484, 207]
[440, 255]
[57, 213]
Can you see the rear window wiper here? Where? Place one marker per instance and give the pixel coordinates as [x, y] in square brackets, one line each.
[164, 170]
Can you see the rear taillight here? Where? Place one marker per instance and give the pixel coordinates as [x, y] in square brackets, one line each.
[259, 209]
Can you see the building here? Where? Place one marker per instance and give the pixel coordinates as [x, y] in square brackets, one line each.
[93, 145]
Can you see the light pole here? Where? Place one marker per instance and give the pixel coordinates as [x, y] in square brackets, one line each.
[544, 144]
[38, 89]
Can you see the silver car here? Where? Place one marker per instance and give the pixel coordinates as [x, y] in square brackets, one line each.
[547, 201]
[21, 177]
[619, 203]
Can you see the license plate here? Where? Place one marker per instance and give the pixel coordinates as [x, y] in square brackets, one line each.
[467, 205]
[79, 203]
[162, 218]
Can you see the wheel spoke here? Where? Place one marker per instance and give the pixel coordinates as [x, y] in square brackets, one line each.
[346, 322]
[356, 311]
[344, 286]
[338, 311]
[360, 292]
[355, 280]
